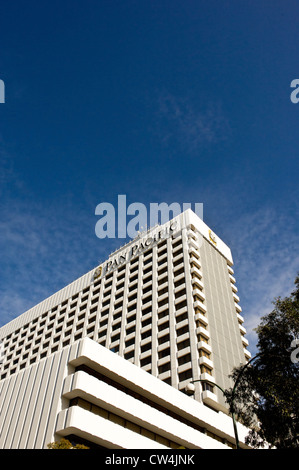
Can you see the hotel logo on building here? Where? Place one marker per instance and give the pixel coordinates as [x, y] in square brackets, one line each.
[136, 249]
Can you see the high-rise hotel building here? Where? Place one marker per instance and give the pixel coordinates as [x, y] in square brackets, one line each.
[106, 360]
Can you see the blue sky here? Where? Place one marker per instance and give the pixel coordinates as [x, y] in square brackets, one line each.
[165, 101]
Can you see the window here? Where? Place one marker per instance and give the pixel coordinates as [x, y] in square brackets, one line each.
[146, 347]
[205, 369]
[146, 299]
[147, 270]
[177, 262]
[163, 326]
[134, 268]
[179, 271]
[183, 330]
[184, 359]
[164, 339]
[163, 314]
[147, 289]
[146, 334]
[180, 293]
[177, 243]
[131, 308]
[181, 317]
[146, 310]
[181, 304]
[162, 271]
[163, 302]
[147, 360]
[130, 330]
[132, 297]
[164, 353]
[183, 344]
[146, 322]
[129, 355]
[164, 368]
[115, 337]
[187, 374]
[131, 319]
[163, 291]
[129, 342]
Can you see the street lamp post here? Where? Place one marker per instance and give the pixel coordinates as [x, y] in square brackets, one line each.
[213, 384]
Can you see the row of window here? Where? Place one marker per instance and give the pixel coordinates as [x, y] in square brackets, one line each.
[79, 402]
[125, 423]
[81, 315]
[78, 315]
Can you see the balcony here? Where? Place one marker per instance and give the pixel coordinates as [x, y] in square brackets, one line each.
[193, 249]
[202, 331]
[192, 243]
[242, 329]
[195, 270]
[203, 360]
[195, 261]
[210, 399]
[230, 270]
[199, 293]
[205, 346]
[200, 305]
[180, 299]
[201, 318]
[179, 288]
[205, 377]
[247, 354]
[234, 287]
[197, 283]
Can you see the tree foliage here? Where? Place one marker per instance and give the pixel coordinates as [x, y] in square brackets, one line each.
[266, 397]
[65, 444]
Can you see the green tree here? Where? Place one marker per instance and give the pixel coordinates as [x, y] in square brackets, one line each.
[266, 398]
[65, 444]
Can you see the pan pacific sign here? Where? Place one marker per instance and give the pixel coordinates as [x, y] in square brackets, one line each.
[136, 248]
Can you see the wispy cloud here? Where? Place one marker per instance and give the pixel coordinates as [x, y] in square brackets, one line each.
[43, 250]
[44, 245]
[265, 248]
[192, 126]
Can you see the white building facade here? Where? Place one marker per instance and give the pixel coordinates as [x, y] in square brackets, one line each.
[106, 359]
